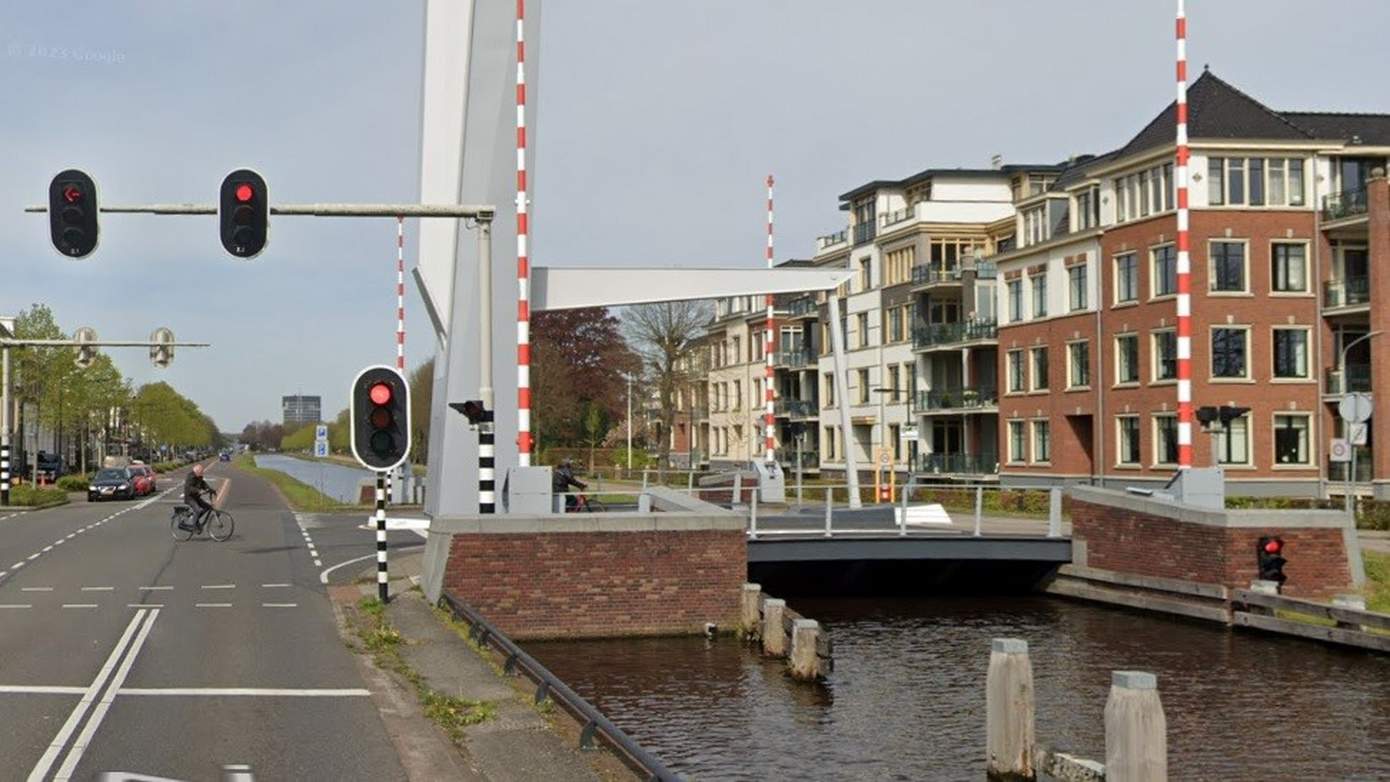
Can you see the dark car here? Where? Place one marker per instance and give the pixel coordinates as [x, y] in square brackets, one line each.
[225, 456]
[111, 483]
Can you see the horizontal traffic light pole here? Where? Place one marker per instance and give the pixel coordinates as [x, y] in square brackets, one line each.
[474, 211]
[107, 343]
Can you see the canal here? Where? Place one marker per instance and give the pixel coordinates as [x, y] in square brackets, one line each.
[331, 479]
[907, 696]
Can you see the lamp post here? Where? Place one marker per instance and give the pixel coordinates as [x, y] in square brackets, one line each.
[629, 422]
[1342, 364]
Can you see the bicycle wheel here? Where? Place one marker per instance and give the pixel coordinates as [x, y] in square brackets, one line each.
[179, 534]
[594, 506]
[220, 525]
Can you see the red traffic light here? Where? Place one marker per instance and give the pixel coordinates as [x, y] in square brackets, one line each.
[1274, 546]
[244, 193]
[380, 393]
[72, 193]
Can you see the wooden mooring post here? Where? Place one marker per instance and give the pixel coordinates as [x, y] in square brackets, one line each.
[1009, 712]
[1136, 732]
[782, 632]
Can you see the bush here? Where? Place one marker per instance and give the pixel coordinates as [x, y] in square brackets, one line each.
[73, 482]
[28, 496]
[1373, 514]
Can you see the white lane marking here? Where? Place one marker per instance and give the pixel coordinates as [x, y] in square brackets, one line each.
[71, 535]
[16, 566]
[46, 549]
[240, 773]
[156, 589]
[98, 589]
[59, 542]
[85, 737]
[80, 605]
[32, 557]
[246, 691]
[279, 605]
[16, 605]
[318, 563]
[144, 605]
[212, 605]
[36, 589]
[89, 695]
[276, 586]
[219, 586]
[38, 689]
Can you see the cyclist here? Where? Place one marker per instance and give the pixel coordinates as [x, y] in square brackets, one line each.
[562, 480]
[193, 488]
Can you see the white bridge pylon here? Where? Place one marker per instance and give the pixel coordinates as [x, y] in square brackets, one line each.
[573, 287]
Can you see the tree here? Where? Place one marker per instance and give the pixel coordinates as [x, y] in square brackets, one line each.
[666, 337]
[421, 398]
[579, 358]
[595, 427]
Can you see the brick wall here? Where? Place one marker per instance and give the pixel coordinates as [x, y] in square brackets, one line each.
[1129, 541]
[600, 584]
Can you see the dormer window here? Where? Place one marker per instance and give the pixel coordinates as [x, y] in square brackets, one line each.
[1034, 225]
[1088, 208]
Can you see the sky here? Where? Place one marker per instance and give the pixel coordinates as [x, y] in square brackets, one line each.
[656, 126]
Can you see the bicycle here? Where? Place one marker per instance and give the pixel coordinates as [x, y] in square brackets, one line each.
[218, 523]
[582, 504]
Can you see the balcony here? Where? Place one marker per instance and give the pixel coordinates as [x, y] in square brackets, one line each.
[899, 216]
[830, 240]
[787, 457]
[801, 359]
[930, 275]
[978, 398]
[937, 335]
[864, 233]
[1339, 206]
[802, 308]
[795, 408]
[1346, 292]
[1354, 377]
[957, 464]
[986, 270]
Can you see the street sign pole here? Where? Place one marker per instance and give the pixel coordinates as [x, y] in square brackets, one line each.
[1355, 410]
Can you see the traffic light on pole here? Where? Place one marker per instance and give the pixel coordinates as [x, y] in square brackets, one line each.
[72, 213]
[380, 418]
[1269, 553]
[244, 213]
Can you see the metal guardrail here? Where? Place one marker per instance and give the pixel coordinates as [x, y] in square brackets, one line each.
[1348, 203]
[548, 685]
[941, 334]
[1346, 292]
[958, 398]
[1351, 626]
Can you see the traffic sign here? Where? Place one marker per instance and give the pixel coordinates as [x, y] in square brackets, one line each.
[320, 449]
[1357, 433]
[1356, 408]
[1339, 451]
[321, 432]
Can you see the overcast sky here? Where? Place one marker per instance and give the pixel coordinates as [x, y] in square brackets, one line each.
[657, 124]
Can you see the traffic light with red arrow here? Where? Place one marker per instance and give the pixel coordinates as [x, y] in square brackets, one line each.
[72, 213]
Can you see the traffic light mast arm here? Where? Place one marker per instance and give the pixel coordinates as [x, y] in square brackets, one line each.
[471, 211]
[105, 343]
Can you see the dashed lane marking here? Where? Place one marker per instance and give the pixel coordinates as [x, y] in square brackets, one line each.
[80, 605]
[212, 605]
[275, 586]
[39, 689]
[219, 586]
[98, 589]
[156, 588]
[36, 589]
[144, 605]
[279, 605]
[15, 605]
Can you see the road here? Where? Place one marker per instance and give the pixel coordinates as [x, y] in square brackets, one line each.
[124, 651]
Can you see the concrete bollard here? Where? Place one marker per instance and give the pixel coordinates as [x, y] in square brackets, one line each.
[750, 618]
[1054, 513]
[737, 496]
[805, 664]
[827, 514]
[774, 635]
[1136, 733]
[1264, 587]
[1009, 712]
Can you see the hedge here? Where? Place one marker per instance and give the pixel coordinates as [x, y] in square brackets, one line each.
[73, 482]
[27, 496]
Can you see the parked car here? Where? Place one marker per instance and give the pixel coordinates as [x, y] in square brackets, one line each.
[114, 483]
[143, 477]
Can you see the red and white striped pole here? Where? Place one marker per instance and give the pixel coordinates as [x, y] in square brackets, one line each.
[769, 345]
[523, 271]
[400, 294]
[1184, 261]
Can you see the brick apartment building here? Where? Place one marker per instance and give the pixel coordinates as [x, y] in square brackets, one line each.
[1284, 227]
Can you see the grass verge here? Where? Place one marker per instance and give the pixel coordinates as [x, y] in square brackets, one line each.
[301, 496]
[26, 496]
[1377, 581]
[383, 642]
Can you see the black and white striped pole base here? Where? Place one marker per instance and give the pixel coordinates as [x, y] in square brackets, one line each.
[381, 536]
[487, 466]
[5, 473]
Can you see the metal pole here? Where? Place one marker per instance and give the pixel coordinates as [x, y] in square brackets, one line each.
[827, 512]
[753, 516]
[799, 438]
[1352, 431]
[1351, 434]
[841, 385]
[487, 433]
[5, 429]
[979, 507]
[629, 423]
[475, 211]
[381, 537]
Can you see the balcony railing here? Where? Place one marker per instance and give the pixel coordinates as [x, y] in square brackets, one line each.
[1348, 203]
[986, 270]
[939, 334]
[957, 463]
[788, 458]
[801, 359]
[1354, 377]
[1346, 292]
[795, 408]
[958, 398]
[864, 233]
[800, 308]
[787, 358]
[899, 216]
[830, 240]
[924, 275]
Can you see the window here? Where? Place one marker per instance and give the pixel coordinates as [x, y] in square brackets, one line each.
[1165, 439]
[1233, 446]
[1078, 364]
[1127, 431]
[1291, 439]
[1228, 352]
[1165, 353]
[1144, 193]
[1289, 267]
[1042, 442]
[1039, 356]
[1126, 279]
[1015, 371]
[1127, 358]
[1216, 181]
[1040, 295]
[861, 324]
[1235, 181]
[1015, 301]
[863, 376]
[736, 352]
[1295, 181]
[895, 437]
[865, 274]
[893, 383]
[1228, 267]
[829, 441]
[1034, 225]
[897, 265]
[1088, 208]
[1076, 287]
[829, 390]
[1017, 443]
[1165, 271]
[895, 324]
[738, 394]
[1291, 353]
[1255, 181]
[1121, 203]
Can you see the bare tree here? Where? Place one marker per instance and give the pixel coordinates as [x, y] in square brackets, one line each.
[666, 336]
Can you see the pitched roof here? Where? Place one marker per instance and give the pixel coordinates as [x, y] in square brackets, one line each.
[1369, 128]
[1215, 109]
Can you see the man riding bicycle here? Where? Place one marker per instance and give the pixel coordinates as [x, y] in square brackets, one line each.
[194, 487]
[562, 480]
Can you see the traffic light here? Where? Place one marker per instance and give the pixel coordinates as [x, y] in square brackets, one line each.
[380, 418]
[1229, 414]
[244, 213]
[473, 410]
[162, 353]
[72, 213]
[1269, 554]
[86, 353]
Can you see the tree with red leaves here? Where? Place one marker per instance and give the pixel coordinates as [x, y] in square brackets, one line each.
[579, 359]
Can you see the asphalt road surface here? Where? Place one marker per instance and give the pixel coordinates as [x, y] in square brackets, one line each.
[124, 652]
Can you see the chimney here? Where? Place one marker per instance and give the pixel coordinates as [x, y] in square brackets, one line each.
[996, 161]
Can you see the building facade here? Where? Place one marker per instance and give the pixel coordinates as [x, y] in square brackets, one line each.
[299, 410]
